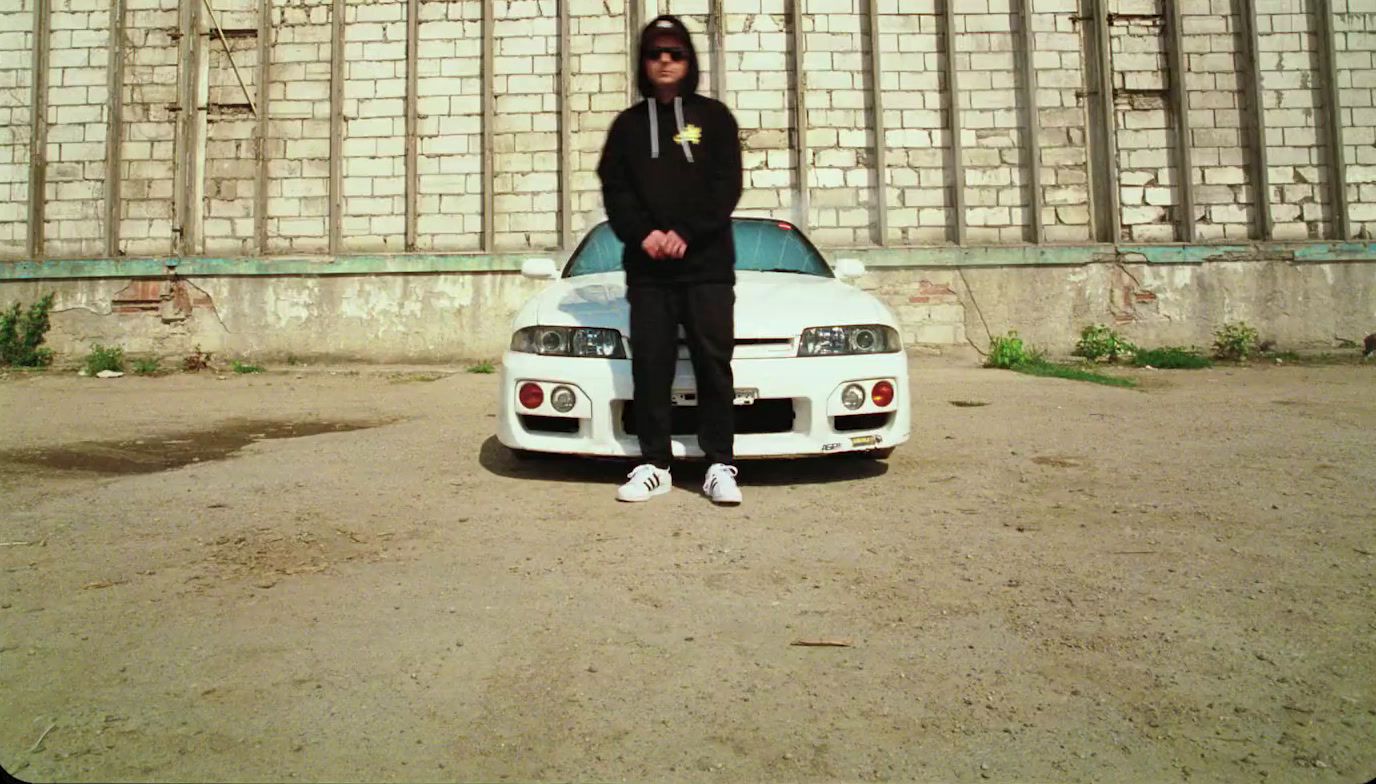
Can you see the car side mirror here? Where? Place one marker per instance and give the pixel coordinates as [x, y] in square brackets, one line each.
[539, 269]
[849, 269]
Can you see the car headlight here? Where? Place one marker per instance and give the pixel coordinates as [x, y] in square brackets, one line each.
[569, 342]
[860, 339]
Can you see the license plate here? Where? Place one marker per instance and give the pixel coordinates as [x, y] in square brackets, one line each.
[742, 397]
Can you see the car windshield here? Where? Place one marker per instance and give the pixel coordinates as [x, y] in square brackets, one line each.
[761, 246]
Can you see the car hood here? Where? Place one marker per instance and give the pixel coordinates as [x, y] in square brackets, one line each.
[768, 304]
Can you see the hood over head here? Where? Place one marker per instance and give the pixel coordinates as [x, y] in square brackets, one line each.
[670, 25]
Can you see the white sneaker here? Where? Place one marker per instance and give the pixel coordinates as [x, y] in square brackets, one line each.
[647, 481]
[720, 485]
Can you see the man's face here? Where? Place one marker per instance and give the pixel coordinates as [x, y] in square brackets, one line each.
[666, 61]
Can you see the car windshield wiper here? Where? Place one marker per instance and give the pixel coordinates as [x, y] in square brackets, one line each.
[781, 269]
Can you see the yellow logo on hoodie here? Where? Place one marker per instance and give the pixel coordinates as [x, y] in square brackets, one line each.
[690, 133]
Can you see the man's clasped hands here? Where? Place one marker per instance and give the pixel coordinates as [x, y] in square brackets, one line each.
[664, 245]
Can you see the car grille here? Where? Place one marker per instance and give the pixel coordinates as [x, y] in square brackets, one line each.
[764, 416]
[754, 342]
[754, 348]
[853, 422]
[548, 424]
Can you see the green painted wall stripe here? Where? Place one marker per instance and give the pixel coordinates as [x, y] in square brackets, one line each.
[401, 264]
[878, 258]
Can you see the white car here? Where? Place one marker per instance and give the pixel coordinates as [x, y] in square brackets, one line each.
[819, 365]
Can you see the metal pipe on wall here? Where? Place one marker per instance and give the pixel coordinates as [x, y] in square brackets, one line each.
[716, 33]
[565, 128]
[263, 129]
[114, 129]
[336, 127]
[489, 114]
[1180, 108]
[953, 127]
[802, 208]
[633, 24]
[1337, 178]
[1261, 172]
[1032, 129]
[38, 129]
[881, 147]
[190, 161]
[412, 121]
[1109, 212]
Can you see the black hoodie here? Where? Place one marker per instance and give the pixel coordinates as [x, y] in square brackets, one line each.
[676, 170]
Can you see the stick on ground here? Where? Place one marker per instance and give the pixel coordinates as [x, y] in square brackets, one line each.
[39, 742]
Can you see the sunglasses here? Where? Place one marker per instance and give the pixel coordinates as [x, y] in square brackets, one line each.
[677, 54]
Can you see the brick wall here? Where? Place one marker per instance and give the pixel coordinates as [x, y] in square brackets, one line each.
[598, 77]
[16, 86]
[916, 103]
[231, 145]
[1060, 145]
[1354, 29]
[450, 106]
[525, 74]
[1215, 59]
[840, 146]
[149, 127]
[1147, 172]
[1292, 94]
[531, 168]
[760, 94]
[374, 148]
[992, 129]
[78, 98]
[298, 145]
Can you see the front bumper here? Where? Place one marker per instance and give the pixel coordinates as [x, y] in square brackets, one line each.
[798, 399]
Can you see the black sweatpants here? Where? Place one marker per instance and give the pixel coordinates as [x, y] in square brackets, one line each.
[707, 313]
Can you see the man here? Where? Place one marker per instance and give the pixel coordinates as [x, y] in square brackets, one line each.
[671, 176]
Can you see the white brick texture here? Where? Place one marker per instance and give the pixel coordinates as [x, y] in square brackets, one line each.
[149, 128]
[374, 148]
[760, 94]
[231, 167]
[916, 121]
[840, 146]
[1145, 133]
[525, 83]
[1060, 143]
[1216, 98]
[77, 114]
[298, 148]
[449, 89]
[16, 90]
[845, 190]
[595, 96]
[1355, 33]
[992, 123]
[1289, 55]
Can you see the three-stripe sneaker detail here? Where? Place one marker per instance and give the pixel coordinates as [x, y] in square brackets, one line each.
[720, 485]
[646, 482]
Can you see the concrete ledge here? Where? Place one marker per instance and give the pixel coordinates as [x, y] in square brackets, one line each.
[877, 258]
[1079, 255]
[257, 266]
[444, 308]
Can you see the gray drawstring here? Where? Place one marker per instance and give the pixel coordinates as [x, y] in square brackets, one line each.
[654, 128]
[678, 116]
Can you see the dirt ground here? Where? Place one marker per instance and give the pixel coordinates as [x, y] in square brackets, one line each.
[339, 575]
